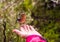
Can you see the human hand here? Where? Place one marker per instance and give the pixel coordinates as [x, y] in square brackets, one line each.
[26, 30]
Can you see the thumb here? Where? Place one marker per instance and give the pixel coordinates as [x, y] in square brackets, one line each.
[17, 32]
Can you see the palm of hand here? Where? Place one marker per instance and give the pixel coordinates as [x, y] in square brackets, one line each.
[26, 30]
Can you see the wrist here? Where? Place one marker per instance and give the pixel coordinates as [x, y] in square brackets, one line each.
[35, 38]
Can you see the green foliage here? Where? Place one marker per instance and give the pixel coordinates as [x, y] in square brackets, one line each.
[46, 21]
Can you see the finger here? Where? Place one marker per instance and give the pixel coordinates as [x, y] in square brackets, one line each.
[17, 32]
[25, 27]
[22, 29]
[32, 28]
[28, 28]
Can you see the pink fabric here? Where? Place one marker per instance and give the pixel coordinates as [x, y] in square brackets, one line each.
[35, 38]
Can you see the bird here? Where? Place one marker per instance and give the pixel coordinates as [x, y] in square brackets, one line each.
[22, 18]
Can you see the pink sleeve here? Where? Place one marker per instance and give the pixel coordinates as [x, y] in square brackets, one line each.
[35, 38]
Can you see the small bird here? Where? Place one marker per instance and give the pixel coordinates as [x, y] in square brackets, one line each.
[22, 18]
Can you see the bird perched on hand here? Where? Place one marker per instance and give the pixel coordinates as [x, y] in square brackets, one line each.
[22, 18]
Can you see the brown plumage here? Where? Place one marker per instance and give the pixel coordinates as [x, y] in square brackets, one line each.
[22, 18]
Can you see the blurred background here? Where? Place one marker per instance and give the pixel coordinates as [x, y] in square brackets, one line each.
[44, 15]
